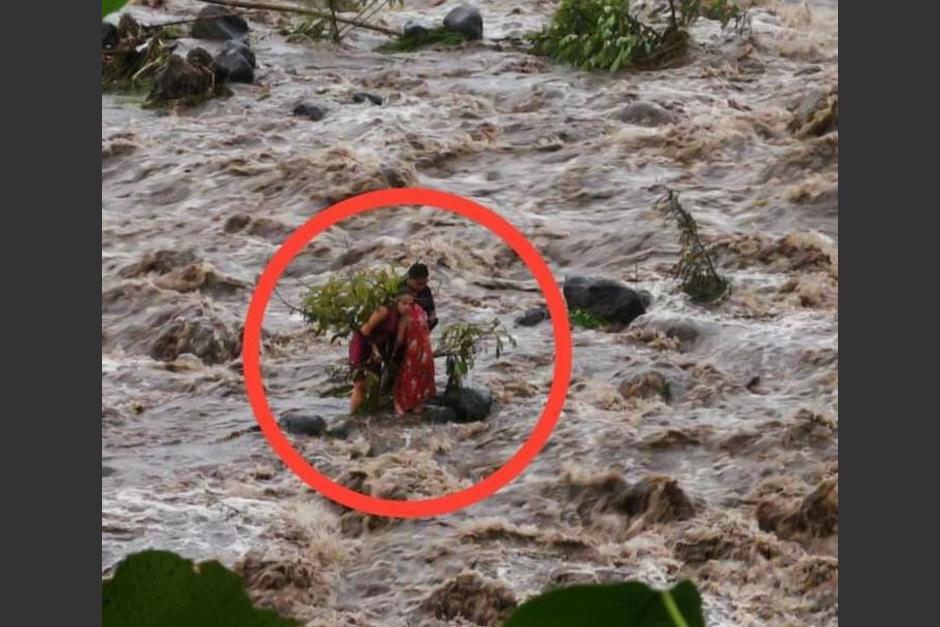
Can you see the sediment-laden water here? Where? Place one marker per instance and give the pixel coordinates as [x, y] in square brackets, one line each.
[731, 481]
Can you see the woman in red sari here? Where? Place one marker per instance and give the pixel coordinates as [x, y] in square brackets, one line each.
[415, 381]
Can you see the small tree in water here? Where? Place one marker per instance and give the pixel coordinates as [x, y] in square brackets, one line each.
[695, 269]
[343, 304]
[607, 35]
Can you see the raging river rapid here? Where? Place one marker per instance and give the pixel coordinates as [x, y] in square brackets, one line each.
[732, 475]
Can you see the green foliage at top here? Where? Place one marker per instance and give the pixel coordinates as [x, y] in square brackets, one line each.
[110, 6]
[630, 604]
[585, 319]
[606, 35]
[344, 303]
[603, 34]
[695, 269]
[463, 341]
[432, 36]
[160, 588]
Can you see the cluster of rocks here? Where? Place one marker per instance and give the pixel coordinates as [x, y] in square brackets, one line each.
[198, 74]
[461, 405]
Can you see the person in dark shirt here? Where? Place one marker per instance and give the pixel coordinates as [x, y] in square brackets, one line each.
[417, 283]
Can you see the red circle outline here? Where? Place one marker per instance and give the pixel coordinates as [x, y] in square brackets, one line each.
[251, 353]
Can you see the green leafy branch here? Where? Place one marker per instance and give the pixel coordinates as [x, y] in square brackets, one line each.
[461, 342]
[695, 269]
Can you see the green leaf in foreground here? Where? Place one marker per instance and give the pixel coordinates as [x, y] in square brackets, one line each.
[110, 6]
[160, 588]
[631, 604]
[585, 319]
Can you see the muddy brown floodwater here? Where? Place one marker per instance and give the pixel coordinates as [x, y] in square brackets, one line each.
[730, 481]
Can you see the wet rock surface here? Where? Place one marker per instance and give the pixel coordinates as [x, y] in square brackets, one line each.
[465, 20]
[219, 23]
[310, 111]
[605, 298]
[301, 424]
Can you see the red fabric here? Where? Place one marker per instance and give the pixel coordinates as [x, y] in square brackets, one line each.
[415, 382]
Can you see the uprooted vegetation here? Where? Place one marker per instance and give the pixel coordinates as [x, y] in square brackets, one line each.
[694, 269]
[142, 61]
[610, 35]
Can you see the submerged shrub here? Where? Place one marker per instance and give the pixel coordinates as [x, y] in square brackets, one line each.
[603, 34]
[695, 269]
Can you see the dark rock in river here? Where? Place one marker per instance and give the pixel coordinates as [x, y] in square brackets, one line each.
[242, 48]
[438, 414]
[468, 404]
[342, 430]
[660, 499]
[109, 35]
[215, 22]
[646, 114]
[362, 96]
[532, 317]
[605, 298]
[465, 20]
[235, 64]
[310, 111]
[303, 424]
[413, 29]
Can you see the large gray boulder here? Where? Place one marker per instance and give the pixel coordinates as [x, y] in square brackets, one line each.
[464, 405]
[218, 23]
[608, 299]
[465, 20]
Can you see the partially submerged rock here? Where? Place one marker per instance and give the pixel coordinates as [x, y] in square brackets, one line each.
[467, 404]
[304, 424]
[310, 111]
[362, 96]
[413, 29]
[236, 62]
[532, 317]
[471, 597]
[438, 414]
[605, 298]
[646, 114]
[109, 35]
[466, 21]
[218, 23]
